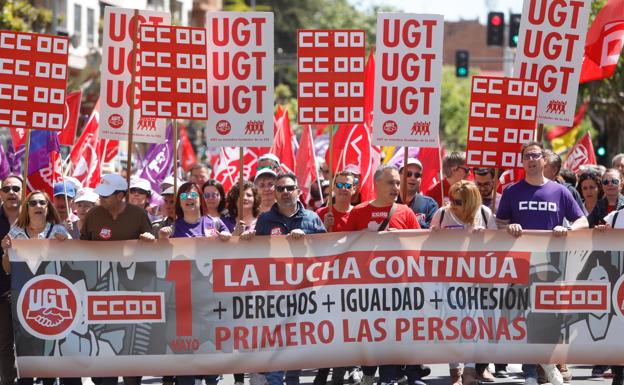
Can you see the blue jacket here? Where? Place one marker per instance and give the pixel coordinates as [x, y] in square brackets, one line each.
[274, 223]
[424, 207]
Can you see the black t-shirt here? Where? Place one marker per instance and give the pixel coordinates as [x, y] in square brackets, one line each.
[5, 226]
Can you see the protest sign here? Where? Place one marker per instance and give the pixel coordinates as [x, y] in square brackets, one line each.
[33, 80]
[550, 51]
[331, 76]
[200, 305]
[240, 79]
[503, 116]
[116, 78]
[409, 75]
[173, 72]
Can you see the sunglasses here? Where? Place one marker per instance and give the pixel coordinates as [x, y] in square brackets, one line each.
[416, 174]
[7, 189]
[532, 156]
[345, 186]
[212, 195]
[136, 190]
[457, 202]
[189, 195]
[37, 202]
[612, 181]
[289, 188]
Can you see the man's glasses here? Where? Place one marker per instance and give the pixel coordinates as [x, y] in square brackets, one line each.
[189, 195]
[532, 156]
[416, 174]
[289, 188]
[212, 195]
[615, 182]
[345, 186]
[37, 202]
[7, 189]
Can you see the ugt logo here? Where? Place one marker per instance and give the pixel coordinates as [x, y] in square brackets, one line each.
[254, 127]
[557, 107]
[47, 307]
[421, 128]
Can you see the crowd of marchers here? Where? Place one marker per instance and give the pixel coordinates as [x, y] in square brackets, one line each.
[547, 197]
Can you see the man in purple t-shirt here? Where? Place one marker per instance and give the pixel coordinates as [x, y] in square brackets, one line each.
[537, 203]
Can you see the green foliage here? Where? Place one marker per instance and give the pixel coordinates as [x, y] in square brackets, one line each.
[20, 15]
[454, 106]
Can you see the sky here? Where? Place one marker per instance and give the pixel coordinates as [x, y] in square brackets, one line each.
[452, 10]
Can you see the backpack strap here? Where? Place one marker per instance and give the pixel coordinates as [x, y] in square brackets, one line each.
[442, 211]
[484, 216]
[386, 221]
[614, 219]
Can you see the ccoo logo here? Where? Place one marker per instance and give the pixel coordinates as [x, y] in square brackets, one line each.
[48, 306]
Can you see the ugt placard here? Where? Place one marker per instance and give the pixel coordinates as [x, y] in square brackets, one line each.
[173, 72]
[331, 76]
[116, 80]
[240, 79]
[33, 80]
[503, 116]
[408, 76]
[550, 51]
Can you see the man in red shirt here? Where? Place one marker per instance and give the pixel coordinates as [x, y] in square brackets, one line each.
[454, 169]
[371, 215]
[344, 189]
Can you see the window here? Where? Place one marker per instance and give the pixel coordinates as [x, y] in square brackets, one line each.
[77, 24]
[90, 27]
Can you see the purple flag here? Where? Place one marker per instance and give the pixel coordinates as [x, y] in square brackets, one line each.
[15, 158]
[42, 143]
[5, 170]
[397, 158]
[158, 161]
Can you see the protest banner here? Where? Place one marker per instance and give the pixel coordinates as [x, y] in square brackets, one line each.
[503, 116]
[240, 79]
[550, 51]
[201, 305]
[330, 76]
[116, 87]
[409, 75]
[33, 80]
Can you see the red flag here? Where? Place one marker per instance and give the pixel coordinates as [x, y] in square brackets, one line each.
[226, 168]
[44, 178]
[282, 145]
[354, 141]
[18, 136]
[88, 153]
[509, 177]
[604, 42]
[305, 165]
[430, 159]
[72, 110]
[582, 153]
[558, 131]
[187, 155]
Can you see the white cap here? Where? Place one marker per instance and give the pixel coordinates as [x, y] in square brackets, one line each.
[268, 155]
[265, 172]
[86, 194]
[141, 183]
[111, 183]
[413, 161]
[74, 181]
[168, 191]
[168, 181]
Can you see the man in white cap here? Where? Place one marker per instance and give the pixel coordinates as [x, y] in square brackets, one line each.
[270, 161]
[265, 183]
[140, 192]
[423, 206]
[64, 194]
[85, 200]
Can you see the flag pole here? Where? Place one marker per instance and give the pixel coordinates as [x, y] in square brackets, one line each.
[316, 166]
[540, 132]
[26, 159]
[493, 204]
[441, 175]
[404, 176]
[331, 174]
[240, 182]
[175, 157]
[132, 96]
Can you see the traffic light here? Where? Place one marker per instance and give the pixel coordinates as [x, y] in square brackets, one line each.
[514, 29]
[496, 28]
[462, 61]
[601, 149]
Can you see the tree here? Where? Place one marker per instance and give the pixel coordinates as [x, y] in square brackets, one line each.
[20, 15]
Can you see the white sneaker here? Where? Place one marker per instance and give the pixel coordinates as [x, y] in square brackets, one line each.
[553, 374]
[356, 375]
[367, 380]
[530, 381]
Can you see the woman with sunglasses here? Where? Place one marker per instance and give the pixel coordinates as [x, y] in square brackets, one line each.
[465, 211]
[590, 187]
[613, 200]
[214, 196]
[251, 209]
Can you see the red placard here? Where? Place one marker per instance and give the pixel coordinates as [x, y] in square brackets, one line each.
[33, 80]
[331, 76]
[173, 72]
[503, 116]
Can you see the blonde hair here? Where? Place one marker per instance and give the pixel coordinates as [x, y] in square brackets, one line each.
[468, 192]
